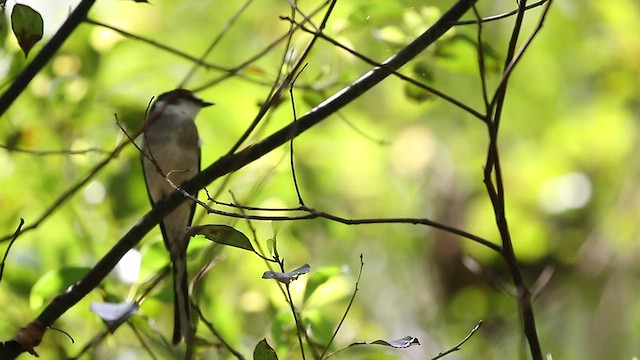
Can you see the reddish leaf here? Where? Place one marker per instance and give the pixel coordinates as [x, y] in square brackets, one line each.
[27, 25]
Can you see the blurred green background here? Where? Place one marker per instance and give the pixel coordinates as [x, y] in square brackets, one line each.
[569, 145]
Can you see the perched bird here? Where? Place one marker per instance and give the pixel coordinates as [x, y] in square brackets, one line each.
[170, 142]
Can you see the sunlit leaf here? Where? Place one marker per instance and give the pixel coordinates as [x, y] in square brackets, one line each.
[287, 277]
[223, 234]
[271, 245]
[459, 53]
[318, 278]
[319, 324]
[263, 351]
[275, 227]
[392, 35]
[54, 283]
[375, 13]
[401, 343]
[27, 25]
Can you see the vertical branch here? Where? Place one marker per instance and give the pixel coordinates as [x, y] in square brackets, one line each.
[495, 186]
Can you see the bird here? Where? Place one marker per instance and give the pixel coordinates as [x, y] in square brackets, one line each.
[171, 148]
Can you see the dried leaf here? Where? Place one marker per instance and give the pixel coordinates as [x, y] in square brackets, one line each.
[114, 312]
[401, 343]
[287, 277]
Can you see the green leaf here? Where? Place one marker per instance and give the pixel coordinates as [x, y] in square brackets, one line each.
[275, 227]
[223, 234]
[392, 35]
[318, 278]
[271, 245]
[27, 25]
[417, 93]
[375, 13]
[460, 53]
[423, 71]
[319, 325]
[264, 352]
[53, 283]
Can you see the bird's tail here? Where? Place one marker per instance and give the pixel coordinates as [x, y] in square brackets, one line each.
[182, 306]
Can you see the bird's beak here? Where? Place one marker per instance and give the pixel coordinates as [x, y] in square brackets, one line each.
[205, 104]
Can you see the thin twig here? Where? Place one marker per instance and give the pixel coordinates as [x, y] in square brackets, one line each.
[291, 157]
[495, 186]
[6, 253]
[499, 16]
[297, 320]
[346, 311]
[481, 64]
[158, 45]
[267, 50]
[54, 152]
[399, 75]
[457, 347]
[217, 334]
[71, 191]
[215, 42]
[274, 97]
[314, 214]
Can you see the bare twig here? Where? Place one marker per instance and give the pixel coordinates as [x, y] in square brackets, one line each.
[291, 157]
[399, 75]
[158, 45]
[217, 334]
[495, 186]
[274, 97]
[314, 214]
[481, 63]
[458, 347]
[215, 42]
[500, 16]
[6, 253]
[71, 191]
[54, 152]
[346, 311]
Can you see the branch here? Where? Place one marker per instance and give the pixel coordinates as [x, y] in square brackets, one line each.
[459, 346]
[494, 182]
